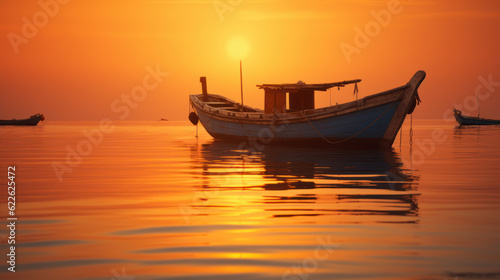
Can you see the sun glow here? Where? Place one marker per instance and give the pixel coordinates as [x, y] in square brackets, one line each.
[238, 47]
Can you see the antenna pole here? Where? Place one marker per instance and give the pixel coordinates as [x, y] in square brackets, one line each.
[477, 100]
[241, 85]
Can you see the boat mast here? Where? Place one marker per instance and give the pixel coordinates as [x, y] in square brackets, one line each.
[241, 86]
[477, 100]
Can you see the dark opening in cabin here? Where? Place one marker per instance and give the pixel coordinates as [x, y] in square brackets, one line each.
[275, 100]
[301, 95]
[303, 99]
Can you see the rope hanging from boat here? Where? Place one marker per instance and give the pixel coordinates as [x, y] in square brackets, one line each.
[400, 136]
[411, 129]
[411, 141]
[343, 140]
[193, 117]
[356, 90]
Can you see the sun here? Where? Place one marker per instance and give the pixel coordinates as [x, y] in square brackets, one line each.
[238, 47]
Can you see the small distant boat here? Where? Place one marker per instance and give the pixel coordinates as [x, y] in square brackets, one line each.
[467, 120]
[33, 120]
[163, 120]
[371, 121]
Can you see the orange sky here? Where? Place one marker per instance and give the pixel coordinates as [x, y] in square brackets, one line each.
[85, 55]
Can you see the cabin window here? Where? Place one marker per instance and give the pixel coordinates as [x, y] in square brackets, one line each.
[275, 101]
[301, 100]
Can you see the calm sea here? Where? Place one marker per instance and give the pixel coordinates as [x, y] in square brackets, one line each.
[149, 200]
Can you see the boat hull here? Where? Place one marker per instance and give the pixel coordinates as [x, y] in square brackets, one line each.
[464, 120]
[372, 121]
[23, 122]
[366, 126]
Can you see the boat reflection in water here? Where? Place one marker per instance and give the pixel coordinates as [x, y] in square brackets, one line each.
[345, 186]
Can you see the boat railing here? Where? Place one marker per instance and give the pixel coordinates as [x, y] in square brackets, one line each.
[224, 106]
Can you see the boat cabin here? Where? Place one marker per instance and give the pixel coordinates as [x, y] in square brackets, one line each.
[301, 95]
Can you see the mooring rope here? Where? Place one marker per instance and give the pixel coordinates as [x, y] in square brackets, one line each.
[400, 136]
[343, 140]
[356, 90]
[411, 141]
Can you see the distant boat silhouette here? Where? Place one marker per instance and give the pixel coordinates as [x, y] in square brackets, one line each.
[163, 120]
[372, 121]
[33, 120]
[467, 120]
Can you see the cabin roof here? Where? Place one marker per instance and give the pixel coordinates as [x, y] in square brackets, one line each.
[304, 86]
